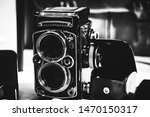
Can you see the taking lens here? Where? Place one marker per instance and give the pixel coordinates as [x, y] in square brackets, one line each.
[53, 77]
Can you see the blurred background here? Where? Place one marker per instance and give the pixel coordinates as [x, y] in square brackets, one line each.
[127, 20]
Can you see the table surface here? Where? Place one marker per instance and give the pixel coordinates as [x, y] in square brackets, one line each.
[26, 77]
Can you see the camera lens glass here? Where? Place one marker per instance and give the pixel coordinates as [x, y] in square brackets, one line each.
[51, 47]
[54, 77]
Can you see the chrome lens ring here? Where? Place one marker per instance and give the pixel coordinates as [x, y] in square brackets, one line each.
[51, 46]
[53, 77]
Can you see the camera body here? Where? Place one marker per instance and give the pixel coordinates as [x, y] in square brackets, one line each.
[63, 47]
[58, 51]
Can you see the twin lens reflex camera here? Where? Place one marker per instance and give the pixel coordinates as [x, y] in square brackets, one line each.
[64, 47]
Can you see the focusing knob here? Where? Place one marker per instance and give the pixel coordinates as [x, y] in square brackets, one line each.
[94, 57]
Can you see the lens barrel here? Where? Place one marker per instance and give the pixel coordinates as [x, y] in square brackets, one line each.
[51, 46]
[53, 77]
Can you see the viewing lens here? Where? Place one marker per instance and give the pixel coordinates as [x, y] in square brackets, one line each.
[51, 47]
